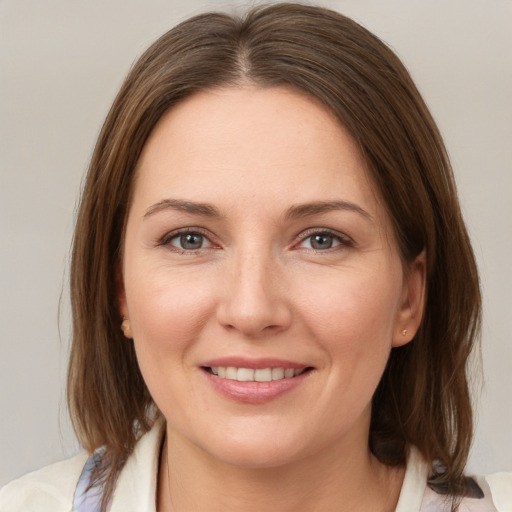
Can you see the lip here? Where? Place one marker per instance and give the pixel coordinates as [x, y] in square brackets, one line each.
[254, 392]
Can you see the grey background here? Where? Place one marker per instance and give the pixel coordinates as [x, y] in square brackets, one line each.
[61, 63]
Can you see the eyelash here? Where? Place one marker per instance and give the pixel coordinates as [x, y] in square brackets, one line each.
[342, 240]
[166, 240]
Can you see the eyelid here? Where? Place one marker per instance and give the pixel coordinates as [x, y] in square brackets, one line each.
[345, 240]
[165, 240]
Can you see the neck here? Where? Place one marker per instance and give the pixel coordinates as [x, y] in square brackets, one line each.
[342, 478]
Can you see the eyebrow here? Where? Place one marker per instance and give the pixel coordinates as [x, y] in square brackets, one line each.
[319, 207]
[294, 212]
[204, 209]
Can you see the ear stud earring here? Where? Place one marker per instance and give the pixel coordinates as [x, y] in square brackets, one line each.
[404, 332]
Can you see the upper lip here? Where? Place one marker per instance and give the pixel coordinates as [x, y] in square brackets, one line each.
[253, 363]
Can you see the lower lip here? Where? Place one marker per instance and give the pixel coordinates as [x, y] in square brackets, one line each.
[254, 392]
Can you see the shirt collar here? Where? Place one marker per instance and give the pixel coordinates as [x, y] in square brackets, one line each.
[137, 483]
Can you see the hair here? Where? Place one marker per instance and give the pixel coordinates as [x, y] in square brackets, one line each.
[423, 398]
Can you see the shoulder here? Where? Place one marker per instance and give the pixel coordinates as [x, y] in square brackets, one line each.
[48, 489]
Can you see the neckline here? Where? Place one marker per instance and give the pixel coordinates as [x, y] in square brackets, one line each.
[138, 480]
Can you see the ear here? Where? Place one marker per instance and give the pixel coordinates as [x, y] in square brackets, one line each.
[122, 305]
[412, 303]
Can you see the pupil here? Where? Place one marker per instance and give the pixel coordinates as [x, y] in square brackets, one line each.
[321, 242]
[191, 241]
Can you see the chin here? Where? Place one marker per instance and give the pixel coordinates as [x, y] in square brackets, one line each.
[256, 457]
[257, 449]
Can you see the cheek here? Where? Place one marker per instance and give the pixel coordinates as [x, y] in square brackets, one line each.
[167, 310]
[354, 324]
[354, 306]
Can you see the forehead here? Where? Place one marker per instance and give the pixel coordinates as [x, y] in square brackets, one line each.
[230, 143]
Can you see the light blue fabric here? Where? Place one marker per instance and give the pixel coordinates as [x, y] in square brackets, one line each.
[88, 498]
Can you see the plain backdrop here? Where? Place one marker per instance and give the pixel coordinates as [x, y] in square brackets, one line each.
[61, 63]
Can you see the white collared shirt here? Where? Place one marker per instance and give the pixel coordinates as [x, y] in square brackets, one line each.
[53, 488]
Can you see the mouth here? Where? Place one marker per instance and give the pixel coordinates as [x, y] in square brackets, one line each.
[241, 374]
[257, 380]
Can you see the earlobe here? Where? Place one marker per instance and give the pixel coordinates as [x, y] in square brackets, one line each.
[126, 328]
[123, 309]
[412, 304]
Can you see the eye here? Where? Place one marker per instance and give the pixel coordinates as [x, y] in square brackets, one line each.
[323, 241]
[189, 241]
[186, 241]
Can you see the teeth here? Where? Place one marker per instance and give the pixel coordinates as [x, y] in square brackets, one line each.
[289, 372]
[231, 373]
[245, 375]
[263, 375]
[277, 373]
[251, 375]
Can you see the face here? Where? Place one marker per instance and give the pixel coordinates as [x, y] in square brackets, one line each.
[261, 278]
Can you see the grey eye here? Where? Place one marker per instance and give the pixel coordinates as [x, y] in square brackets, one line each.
[189, 241]
[321, 241]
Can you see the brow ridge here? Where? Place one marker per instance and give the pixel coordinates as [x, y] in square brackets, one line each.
[191, 207]
[294, 212]
[319, 207]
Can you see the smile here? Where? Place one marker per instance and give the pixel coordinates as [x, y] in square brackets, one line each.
[255, 380]
[254, 375]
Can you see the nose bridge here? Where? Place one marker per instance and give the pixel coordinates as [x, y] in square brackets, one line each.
[254, 301]
[252, 276]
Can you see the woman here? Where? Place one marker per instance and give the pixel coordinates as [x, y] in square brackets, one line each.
[274, 294]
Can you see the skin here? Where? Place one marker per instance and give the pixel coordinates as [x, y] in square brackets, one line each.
[260, 286]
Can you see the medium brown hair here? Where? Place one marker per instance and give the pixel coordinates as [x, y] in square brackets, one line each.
[423, 398]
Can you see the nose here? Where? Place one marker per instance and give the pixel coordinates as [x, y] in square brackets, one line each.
[254, 299]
